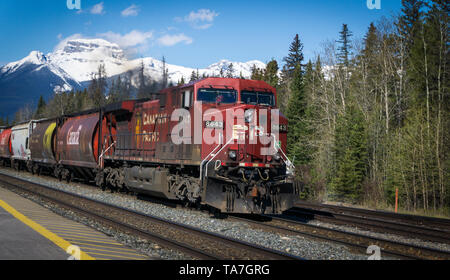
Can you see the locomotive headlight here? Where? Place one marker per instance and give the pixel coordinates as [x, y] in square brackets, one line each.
[232, 155]
[249, 115]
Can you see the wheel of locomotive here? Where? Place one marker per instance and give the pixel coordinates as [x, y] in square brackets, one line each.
[66, 175]
[69, 177]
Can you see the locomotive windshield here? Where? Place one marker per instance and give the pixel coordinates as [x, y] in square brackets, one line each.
[256, 97]
[212, 95]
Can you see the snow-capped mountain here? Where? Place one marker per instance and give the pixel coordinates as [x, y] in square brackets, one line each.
[73, 63]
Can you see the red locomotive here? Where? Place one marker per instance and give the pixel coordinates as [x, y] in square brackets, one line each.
[216, 141]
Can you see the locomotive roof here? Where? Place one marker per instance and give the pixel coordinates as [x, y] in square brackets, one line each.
[219, 81]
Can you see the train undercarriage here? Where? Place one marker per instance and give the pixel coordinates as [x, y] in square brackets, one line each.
[227, 189]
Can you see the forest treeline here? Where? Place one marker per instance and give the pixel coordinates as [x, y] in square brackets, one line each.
[369, 116]
[366, 116]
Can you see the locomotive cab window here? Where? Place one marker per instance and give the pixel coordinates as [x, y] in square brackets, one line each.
[212, 95]
[258, 98]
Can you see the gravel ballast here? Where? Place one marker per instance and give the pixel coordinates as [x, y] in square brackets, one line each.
[295, 245]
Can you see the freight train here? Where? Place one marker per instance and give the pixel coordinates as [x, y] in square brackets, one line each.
[219, 142]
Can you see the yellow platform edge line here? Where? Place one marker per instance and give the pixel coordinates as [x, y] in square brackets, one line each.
[60, 242]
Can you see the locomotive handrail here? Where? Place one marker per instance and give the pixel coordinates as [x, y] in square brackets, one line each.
[214, 156]
[103, 153]
[212, 152]
[289, 164]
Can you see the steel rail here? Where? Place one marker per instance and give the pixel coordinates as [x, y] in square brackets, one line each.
[352, 240]
[375, 224]
[262, 252]
[430, 222]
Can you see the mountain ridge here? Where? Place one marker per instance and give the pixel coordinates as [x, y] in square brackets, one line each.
[73, 63]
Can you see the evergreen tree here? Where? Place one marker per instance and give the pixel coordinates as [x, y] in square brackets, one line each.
[271, 73]
[350, 154]
[409, 22]
[295, 56]
[230, 71]
[181, 82]
[344, 50]
[193, 76]
[296, 109]
[143, 90]
[257, 74]
[97, 87]
[165, 74]
[40, 111]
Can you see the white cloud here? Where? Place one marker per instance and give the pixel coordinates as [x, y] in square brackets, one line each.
[133, 10]
[132, 39]
[171, 40]
[97, 9]
[201, 19]
[202, 15]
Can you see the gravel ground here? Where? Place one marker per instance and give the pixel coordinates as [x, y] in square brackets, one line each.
[393, 237]
[295, 245]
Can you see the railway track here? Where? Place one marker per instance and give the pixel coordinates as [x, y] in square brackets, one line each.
[141, 226]
[191, 241]
[424, 228]
[355, 242]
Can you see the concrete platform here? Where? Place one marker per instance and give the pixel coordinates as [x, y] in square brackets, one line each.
[29, 231]
[20, 242]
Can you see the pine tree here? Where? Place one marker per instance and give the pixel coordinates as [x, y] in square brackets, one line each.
[143, 91]
[345, 46]
[296, 109]
[241, 76]
[350, 155]
[257, 74]
[409, 22]
[193, 76]
[40, 108]
[181, 82]
[230, 71]
[165, 73]
[97, 87]
[295, 56]
[271, 73]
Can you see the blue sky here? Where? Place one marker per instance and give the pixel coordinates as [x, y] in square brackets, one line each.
[187, 33]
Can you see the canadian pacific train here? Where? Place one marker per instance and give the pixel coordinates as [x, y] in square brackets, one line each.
[216, 141]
